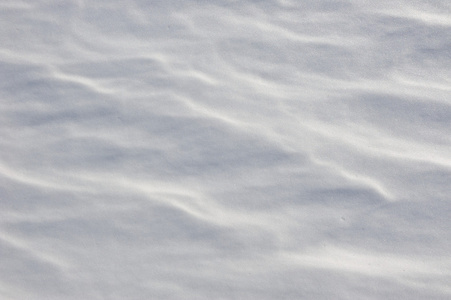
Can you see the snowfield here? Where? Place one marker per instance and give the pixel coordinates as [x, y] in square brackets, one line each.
[224, 149]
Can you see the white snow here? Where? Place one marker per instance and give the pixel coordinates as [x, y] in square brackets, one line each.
[225, 149]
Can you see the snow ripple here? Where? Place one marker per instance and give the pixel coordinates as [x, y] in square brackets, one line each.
[224, 149]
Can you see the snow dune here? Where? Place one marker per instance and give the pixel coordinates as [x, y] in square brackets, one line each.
[225, 149]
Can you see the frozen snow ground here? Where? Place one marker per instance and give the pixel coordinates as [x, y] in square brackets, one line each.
[225, 149]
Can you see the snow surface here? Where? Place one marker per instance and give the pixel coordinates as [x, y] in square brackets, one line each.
[219, 149]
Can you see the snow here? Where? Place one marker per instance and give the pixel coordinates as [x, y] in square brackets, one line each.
[225, 149]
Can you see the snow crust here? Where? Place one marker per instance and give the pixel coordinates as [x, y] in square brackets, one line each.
[225, 149]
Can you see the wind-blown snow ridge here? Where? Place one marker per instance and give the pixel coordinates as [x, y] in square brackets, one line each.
[225, 149]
